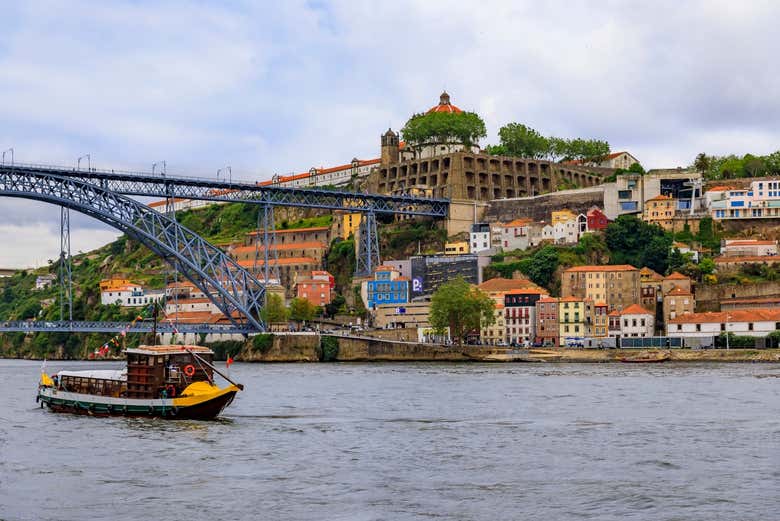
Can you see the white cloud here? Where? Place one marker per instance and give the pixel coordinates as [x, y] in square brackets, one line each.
[34, 245]
[282, 87]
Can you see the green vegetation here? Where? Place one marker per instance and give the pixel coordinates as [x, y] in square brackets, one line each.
[444, 127]
[262, 343]
[633, 241]
[223, 348]
[460, 307]
[733, 167]
[735, 341]
[307, 222]
[520, 140]
[402, 239]
[341, 263]
[330, 348]
[301, 310]
[274, 310]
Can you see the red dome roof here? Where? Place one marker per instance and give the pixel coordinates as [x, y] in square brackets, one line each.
[445, 105]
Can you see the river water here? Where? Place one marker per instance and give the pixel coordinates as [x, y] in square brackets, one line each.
[412, 442]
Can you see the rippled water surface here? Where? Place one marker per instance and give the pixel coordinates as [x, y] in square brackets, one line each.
[412, 441]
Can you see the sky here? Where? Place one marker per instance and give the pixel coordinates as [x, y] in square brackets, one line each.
[279, 87]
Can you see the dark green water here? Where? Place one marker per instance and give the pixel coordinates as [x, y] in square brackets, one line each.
[412, 442]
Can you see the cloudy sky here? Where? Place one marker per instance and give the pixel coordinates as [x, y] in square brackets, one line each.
[285, 86]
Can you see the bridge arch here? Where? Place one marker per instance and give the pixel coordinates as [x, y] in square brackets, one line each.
[235, 291]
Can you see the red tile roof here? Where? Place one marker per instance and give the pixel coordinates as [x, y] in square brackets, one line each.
[750, 242]
[616, 267]
[280, 262]
[736, 315]
[293, 230]
[676, 276]
[290, 246]
[635, 309]
[747, 259]
[503, 285]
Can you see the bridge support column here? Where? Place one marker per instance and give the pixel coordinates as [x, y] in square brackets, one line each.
[266, 227]
[66, 269]
[368, 246]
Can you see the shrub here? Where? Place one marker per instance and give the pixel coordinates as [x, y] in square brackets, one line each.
[330, 348]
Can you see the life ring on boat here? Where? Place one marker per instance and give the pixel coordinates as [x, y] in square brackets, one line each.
[189, 370]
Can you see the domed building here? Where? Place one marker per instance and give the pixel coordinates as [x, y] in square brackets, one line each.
[445, 105]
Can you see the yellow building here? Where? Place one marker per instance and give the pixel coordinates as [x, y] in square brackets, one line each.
[456, 248]
[494, 334]
[113, 284]
[571, 320]
[660, 210]
[350, 225]
[562, 216]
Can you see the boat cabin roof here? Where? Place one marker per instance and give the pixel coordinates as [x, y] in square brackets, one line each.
[168, 350]
[103, 374]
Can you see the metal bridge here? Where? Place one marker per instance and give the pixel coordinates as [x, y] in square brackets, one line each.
[103, 194]
[65, 326]
[162, 185]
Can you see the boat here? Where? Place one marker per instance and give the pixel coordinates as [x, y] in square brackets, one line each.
[647, 360]
[166, 381]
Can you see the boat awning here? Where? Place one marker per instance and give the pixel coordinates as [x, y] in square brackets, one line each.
[103, 374]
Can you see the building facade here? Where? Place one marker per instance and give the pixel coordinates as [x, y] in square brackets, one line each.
[757, 322]
[618, 285]
[387, 287]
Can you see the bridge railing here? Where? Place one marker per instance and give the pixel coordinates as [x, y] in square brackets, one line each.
[56, 326]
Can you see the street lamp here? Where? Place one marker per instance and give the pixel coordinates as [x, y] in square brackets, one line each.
[11, 150]
[230, 174]
[89, 162]
[163, 170]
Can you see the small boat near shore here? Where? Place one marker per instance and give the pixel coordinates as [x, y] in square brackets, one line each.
[647, 359]
[171, 381]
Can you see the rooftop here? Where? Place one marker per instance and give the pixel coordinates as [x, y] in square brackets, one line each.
[293, 230]
[736, 315]
[499, 284]
[635, 309]
[444, 105]
[168, 349]
[609, 268]
[676, 276]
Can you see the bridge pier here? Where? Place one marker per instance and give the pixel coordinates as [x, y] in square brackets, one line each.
[367, 252]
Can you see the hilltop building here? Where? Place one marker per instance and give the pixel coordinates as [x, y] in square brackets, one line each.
[459, 171]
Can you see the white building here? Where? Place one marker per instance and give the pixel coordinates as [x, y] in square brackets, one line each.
[747, 248]
[479, 237]
[515, 235]
[129, 295]
[44, 281]
[760, 201]
[636, 321]
[756, 322]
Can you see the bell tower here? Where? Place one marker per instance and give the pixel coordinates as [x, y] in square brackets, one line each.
[389, 148]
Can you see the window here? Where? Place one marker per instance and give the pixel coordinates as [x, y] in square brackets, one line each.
[630, 206]
[698, 327]
[750, 326]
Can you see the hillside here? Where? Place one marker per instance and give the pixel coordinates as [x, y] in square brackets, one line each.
[219, 224]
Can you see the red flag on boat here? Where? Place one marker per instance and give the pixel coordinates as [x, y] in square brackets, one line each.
[229, 360]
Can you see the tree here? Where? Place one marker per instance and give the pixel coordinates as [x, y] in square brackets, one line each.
[636, 168]
[702, 163]
[460, 307]
[633, 241]
[301, 310]
[707, 266]
[274, 310]
[443, 127]
[522, 141]
[541, 266]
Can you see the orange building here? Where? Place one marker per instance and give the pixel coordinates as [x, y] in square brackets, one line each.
[317, 288]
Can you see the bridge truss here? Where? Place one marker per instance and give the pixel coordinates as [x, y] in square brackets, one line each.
[235, 291]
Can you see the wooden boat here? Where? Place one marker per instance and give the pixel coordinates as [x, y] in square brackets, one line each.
[647, 360]
[170, 381]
